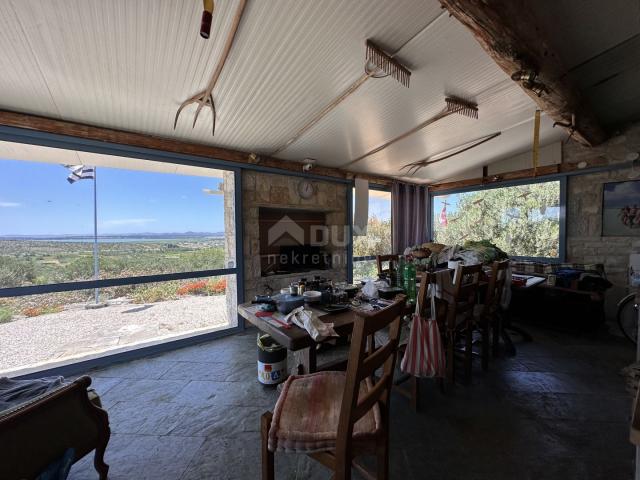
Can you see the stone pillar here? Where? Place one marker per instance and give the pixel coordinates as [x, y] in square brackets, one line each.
[230, 260]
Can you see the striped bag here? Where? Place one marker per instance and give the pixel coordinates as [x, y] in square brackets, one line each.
[424, 355]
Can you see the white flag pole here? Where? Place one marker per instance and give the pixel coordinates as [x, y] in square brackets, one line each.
[96, 271]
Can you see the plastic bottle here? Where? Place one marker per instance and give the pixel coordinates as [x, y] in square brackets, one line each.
[400, 272]
[410, 281]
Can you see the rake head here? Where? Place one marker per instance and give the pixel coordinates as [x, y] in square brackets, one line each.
[463, 107]
[379, 64]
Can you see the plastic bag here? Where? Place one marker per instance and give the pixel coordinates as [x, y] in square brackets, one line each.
[370, 289]
[311, 323]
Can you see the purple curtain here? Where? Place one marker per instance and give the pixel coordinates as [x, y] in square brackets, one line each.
[410, 204]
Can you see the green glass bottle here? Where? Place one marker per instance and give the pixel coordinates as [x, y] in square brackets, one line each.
[400, 272]
[410, 281]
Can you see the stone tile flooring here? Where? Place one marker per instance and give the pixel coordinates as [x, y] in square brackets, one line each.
[558, 410]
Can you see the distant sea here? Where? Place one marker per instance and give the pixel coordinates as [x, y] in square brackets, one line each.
[170, 237]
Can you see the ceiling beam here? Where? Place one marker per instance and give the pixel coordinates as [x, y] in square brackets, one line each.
[509, 33]
[595, 164]
[120, 137]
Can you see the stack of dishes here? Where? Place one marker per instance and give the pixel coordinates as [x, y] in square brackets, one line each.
[311, 296]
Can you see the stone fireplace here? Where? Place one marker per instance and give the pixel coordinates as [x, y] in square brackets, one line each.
[273, 193]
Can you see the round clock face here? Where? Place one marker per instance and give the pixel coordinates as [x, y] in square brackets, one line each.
[306, 189]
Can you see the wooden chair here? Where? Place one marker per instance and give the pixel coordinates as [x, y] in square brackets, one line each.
[335, 439]
[385, 258]
[460, 316]
[492, 312]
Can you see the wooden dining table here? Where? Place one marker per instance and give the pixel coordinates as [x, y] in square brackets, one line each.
[297, 339]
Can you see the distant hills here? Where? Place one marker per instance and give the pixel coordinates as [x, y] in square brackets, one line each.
[122, 236]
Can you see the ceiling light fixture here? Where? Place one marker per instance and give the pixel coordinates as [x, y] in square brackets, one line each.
[528, 78]
[308, 164]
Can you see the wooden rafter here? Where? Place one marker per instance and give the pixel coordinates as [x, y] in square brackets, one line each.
[508, 32]
[120, 137]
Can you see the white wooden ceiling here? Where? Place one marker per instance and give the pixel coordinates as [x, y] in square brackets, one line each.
[129, 64]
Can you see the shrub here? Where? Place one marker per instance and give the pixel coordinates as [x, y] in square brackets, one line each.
[193, 288]
[203, 287]
[154, 293]
[6, 314]
[37, 311]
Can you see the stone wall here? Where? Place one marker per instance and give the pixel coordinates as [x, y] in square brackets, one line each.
[281, 191]
[585, 242]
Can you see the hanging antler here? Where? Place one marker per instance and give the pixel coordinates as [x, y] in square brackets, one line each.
[205, 98]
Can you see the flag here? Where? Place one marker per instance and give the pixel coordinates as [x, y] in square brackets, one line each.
[80, 172]
[443, 216]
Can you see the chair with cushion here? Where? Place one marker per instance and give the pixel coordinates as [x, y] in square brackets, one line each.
[334, 416]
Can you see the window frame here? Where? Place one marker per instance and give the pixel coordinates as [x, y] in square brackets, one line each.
[351, 260]
[562, 248]
[20, 135]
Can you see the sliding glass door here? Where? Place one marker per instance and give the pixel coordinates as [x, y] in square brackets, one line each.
[102, 254]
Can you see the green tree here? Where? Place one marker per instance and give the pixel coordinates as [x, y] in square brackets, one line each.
[377, 241]
[521, 220]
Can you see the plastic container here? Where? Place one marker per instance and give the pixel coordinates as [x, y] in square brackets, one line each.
[272, 360]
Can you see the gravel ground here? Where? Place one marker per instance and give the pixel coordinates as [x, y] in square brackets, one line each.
[78, 332]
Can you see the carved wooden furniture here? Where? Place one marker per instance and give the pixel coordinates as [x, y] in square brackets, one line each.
[385, 258]
[349, 414]
[38, 432]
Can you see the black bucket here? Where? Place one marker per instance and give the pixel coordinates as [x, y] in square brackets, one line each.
[272, 360]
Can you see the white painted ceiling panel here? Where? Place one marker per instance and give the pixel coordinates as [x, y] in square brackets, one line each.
[128, 65]
[22, 84]
[455, 130]
[446, 61]
[514, 140]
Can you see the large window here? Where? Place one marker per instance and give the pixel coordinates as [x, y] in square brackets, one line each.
[377, 241]
[125, 253]
[523, 220]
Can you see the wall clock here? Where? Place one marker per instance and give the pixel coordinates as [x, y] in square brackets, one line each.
[306, 189]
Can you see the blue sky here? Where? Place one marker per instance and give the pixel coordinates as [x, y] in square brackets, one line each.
[36, 199]
[380, 207]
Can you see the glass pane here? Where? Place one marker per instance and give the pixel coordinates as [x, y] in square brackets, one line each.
[44, 224]
[153, 223]
[39, 331]
[377, 241]
[522, 220]
[151, 217]
[364, 269]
